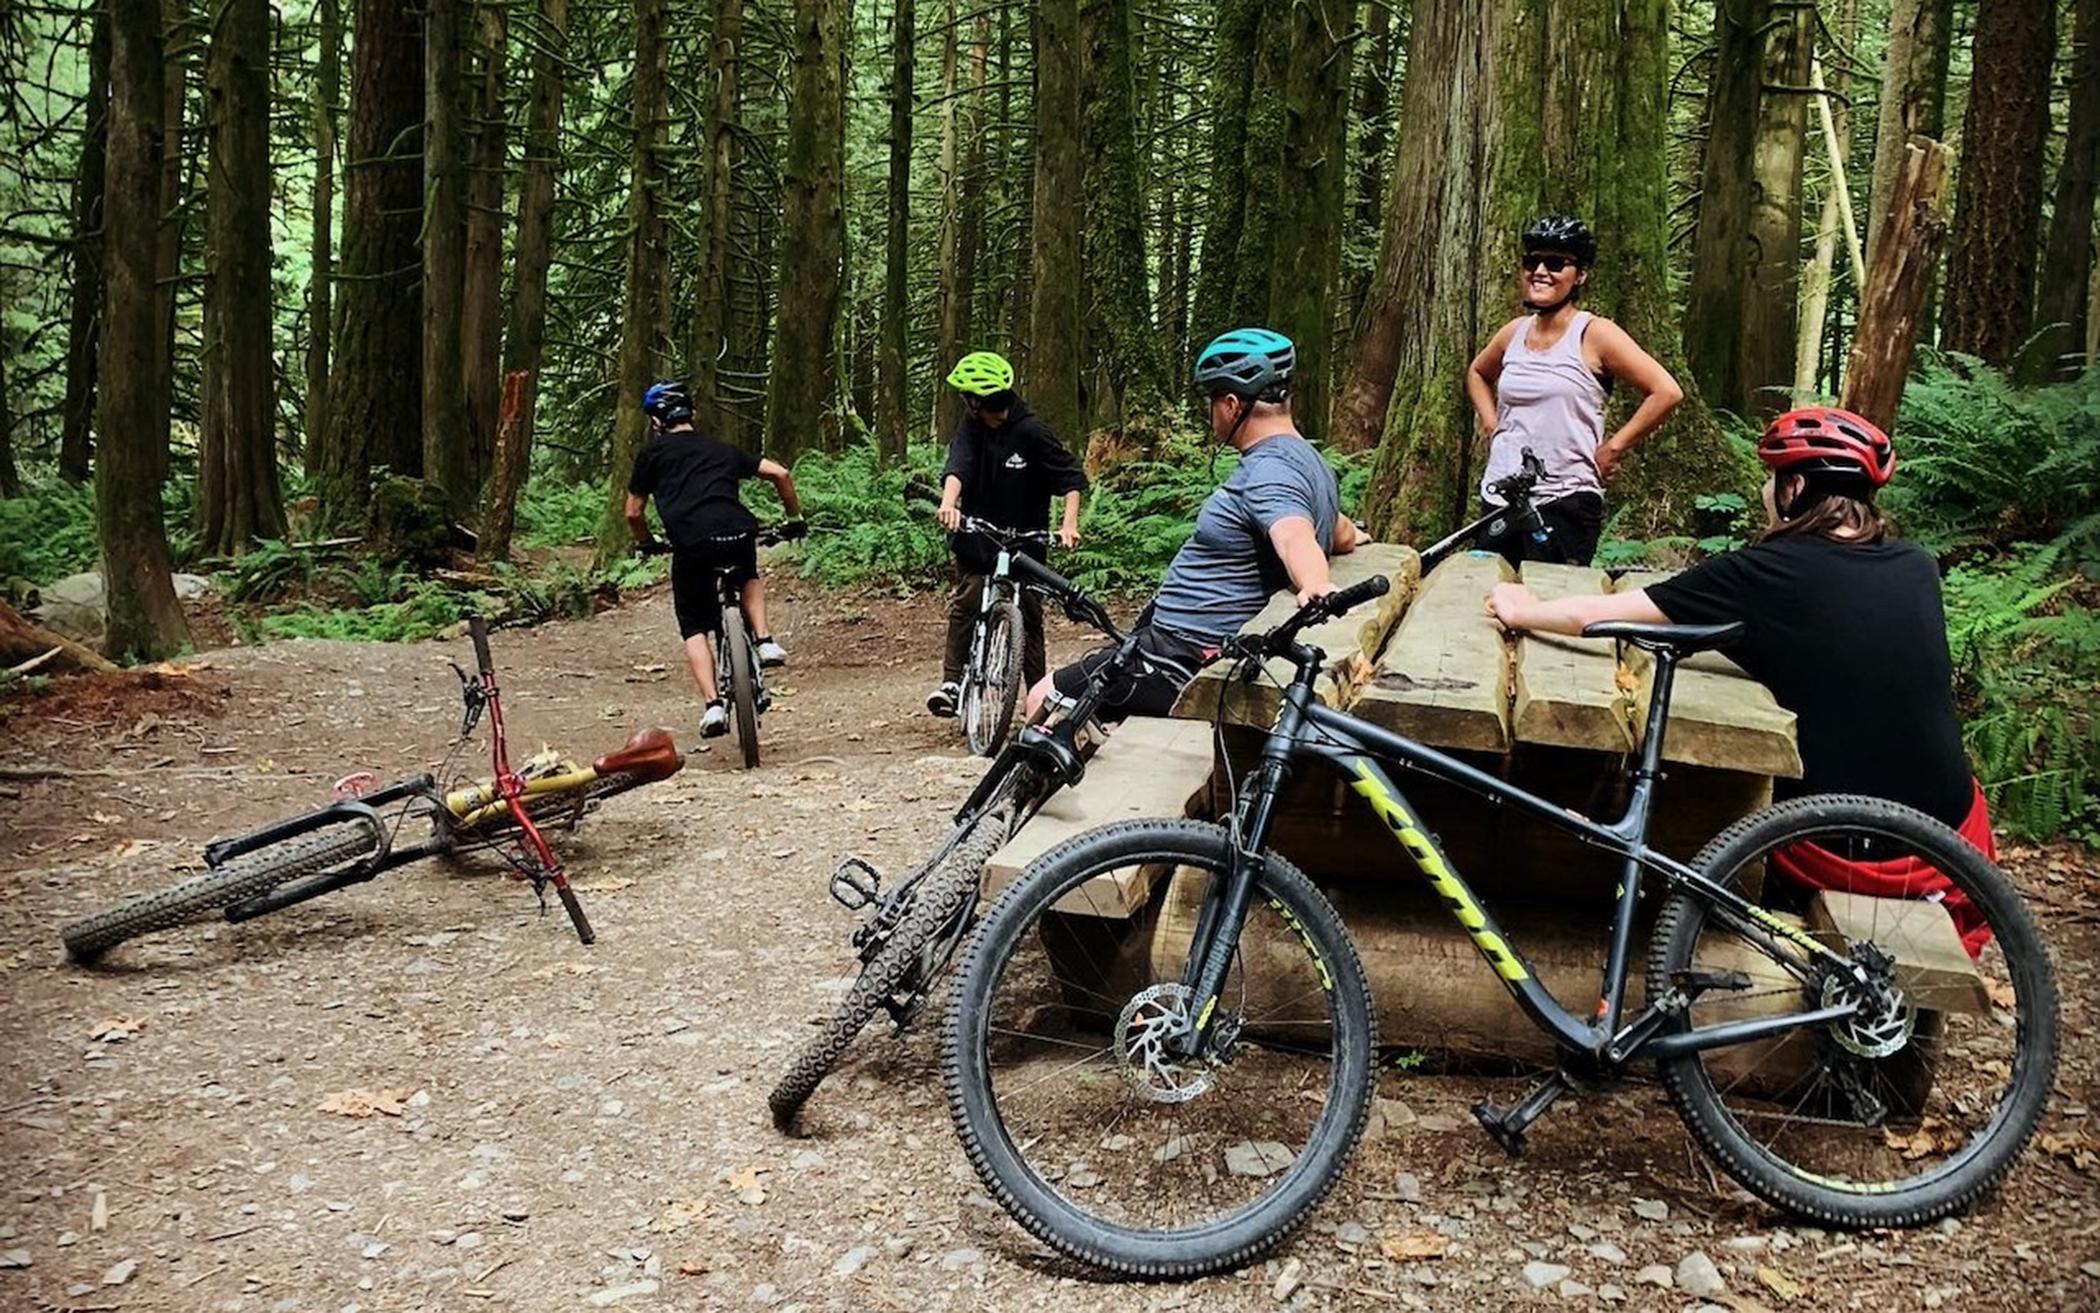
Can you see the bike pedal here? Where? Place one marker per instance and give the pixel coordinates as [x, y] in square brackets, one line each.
[1497, 1122]
[855, 884]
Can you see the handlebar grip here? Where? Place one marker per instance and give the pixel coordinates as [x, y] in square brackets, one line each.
[478, 630]
[1357, 594]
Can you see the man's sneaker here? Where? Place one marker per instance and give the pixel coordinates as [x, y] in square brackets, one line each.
[941, 702]
[771, 654]
[714, 721]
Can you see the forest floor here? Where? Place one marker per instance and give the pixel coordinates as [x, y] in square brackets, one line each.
[587, 1127]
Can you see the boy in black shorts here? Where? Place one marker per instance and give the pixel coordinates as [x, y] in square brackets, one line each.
[694, 480]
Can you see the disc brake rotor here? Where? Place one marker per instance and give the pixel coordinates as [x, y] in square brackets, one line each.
[1886, 1018]
[1145, 1030]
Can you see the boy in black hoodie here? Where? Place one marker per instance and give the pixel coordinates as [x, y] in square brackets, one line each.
[1003, 464]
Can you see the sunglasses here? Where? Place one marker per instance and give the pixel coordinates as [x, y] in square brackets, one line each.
[1552, 264]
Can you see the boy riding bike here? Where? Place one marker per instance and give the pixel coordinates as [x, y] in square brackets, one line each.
[694, 480]
[1003, 463]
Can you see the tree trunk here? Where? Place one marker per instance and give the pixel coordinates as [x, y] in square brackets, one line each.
[178, 42]
[447, 448]
[802, 390]
[1913, 96]
[1218, 276]
[10, 477]
[710, 321]
[1898, 281]
[1770, 307]
[1820, 276]
[145, 620]
[951, 293]
[1315, 174]
[238, 502]
[1374, 110]
[1998, 194]
[24, 640]
[481, 309]
[526, 345]
[83, 335]
[320, 295]
[1054, 304]
[1124, 369]
[2067, 257]
[892, 427]
[646, 263]
[1262, 217]
[375, 382]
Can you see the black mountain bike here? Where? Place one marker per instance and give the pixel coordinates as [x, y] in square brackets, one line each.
[991, 682]
[1180, 1111]
[739, 679]
[913, 928]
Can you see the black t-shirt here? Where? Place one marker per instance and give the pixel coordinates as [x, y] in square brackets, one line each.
[1850, 637]
[1008, 476]
[694, 480]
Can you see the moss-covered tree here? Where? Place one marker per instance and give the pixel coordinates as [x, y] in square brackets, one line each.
[802, 391]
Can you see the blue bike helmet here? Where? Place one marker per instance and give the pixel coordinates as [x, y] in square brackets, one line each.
[668, 403]
[1253, 364]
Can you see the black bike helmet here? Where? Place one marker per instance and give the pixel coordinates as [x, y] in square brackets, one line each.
[1564, 233]
[668, 403]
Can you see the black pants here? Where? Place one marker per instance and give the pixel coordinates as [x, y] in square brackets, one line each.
[693, 570]
[963, 607]
[1573, 525]
[1168, 661]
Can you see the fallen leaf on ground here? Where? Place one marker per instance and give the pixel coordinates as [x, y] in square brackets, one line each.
[1415, 1244]
[367, 1103]
[679, 1214]
[603, 885]
[105, 818]
[692, 1269]
[117, 1029]
[1934, 1135]
[2081, 1151]
[1779, 1283]
[2001, 993]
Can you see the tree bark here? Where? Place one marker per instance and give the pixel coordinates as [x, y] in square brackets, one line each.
[24, 640]
[481, 309]
[1998, 193]
[178, 42]
[238, 502]
[710, 321]
[1315, 175]
[952, 294]
[145, 621]
[447, 448]
[526, 345]
[1374, 110]
[1262, 211]
[1771, 310]
[802, 390]
[83, 335]
[1821, 275]
[1124, 371]
[1913, 96]
[320, 295]
[1218, 276]
[375, 382]
[646, 261]
[892, 427]
[1898, 281]
[1054, 305]
[10, 477]
[2067, 256]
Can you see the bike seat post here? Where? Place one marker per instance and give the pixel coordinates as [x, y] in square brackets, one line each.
[1649, 768]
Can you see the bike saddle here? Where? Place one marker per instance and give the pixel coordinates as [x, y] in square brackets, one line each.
[649, 753]
[1681, 639]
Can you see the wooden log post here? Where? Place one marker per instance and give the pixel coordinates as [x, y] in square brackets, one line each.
[1445, 676]
[28, 648]
[1567, 692]
[1906, 252]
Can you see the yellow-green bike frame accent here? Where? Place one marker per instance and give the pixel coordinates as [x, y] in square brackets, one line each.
[544, 775]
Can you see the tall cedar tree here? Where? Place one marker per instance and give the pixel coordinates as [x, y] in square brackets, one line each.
[525, 349]
[1052, 383]
[1374, 111]
[10, 475]
[2067, 256]
[1462, 189]
[1218, 276]
[642, 316]
[802, 391]
[711, 314]
[1124, 370]
[83, 335]
[238, 502]
[892, 427]
[1913, 96]
[375, 382]
[1315, 174]
[447, 454]
[145, 621]
[320, 288]
[1998, 193]
[952, 294]
[481, 308]
[179, 45]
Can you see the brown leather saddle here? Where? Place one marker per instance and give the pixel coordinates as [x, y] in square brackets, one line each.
[649, 753]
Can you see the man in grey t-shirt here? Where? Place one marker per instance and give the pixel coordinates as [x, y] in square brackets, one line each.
[1271, 524]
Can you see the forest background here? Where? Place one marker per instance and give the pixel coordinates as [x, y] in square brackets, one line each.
[348, 304]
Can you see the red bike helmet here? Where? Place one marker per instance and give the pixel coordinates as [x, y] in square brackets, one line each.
[1825, 438]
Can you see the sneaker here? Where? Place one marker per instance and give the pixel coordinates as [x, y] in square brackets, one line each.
[714, 721]
[771, 654]
[941, 702]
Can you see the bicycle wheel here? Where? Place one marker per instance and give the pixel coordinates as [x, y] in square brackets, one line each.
[1921, 1100]
[893, 970]
[195, 899]
[742, 679]
[1083, 1123]
[989, 714]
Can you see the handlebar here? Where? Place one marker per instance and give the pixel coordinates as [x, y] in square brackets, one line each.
[478, 630]
[1516, 487]
[766, 535]
[1083, 609]
[971, 524]
[1283, 637]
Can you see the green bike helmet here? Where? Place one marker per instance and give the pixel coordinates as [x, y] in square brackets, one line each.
[1249, 363]
[982, 374]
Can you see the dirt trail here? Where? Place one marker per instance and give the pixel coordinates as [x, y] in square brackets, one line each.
[577, 1123]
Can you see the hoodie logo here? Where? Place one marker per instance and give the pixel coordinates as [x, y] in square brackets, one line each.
[1017, 462]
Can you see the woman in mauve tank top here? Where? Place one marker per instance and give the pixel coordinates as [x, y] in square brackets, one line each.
[1540, 384]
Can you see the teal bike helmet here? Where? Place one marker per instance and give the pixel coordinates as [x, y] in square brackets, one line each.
[1253, 364]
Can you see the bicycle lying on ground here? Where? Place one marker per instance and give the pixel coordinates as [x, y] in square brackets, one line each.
[354, 839]
[1180, 1110]
[991, 682]
[740, 680]
[914, 927]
